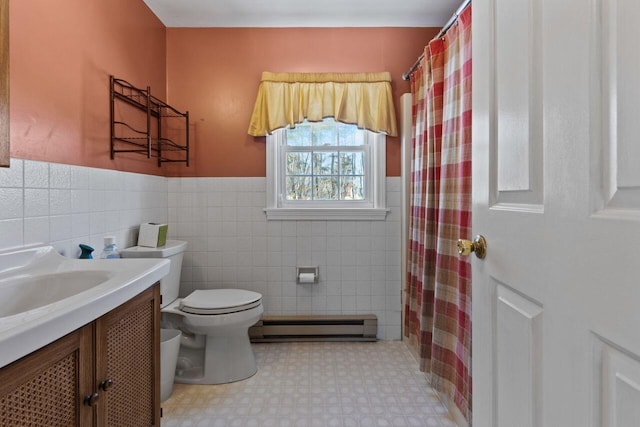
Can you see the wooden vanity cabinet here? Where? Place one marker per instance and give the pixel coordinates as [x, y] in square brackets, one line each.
[105, 374]
[47, 387]
[128, 354]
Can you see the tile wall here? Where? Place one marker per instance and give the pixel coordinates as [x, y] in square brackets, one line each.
[231, 244]
[67, 205]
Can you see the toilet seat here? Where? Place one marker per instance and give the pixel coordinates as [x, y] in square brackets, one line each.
[220, 301]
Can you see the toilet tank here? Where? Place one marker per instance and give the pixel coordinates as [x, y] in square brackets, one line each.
[174, 251]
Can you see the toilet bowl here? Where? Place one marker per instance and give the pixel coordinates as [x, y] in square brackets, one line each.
[223, 317]
[214, 346]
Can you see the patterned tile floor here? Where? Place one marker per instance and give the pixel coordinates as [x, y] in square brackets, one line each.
[315, 384]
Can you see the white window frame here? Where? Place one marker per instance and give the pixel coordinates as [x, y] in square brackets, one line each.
[372, 210]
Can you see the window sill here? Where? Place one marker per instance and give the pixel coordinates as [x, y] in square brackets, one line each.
[326, 214]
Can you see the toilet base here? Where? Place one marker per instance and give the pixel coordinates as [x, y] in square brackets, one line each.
[215, 349]
[226, 359]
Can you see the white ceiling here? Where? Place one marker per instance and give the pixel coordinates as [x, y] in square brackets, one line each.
[303, 13]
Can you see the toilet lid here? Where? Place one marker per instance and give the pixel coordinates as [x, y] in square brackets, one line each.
[220, 301]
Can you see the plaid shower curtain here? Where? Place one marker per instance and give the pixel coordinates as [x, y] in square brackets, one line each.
[438, 300]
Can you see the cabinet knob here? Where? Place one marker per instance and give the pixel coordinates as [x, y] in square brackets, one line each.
[105, 385]
[91, 399]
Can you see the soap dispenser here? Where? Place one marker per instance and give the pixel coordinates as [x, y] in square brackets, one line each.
[85, 251]
[110, 250]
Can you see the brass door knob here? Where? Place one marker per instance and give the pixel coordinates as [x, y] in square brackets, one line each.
[478, 247]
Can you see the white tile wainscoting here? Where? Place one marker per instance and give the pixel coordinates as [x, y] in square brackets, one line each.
[66, 205]
[231, 244]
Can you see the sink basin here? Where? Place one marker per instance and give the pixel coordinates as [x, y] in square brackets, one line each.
[26, 292]
[44, 296]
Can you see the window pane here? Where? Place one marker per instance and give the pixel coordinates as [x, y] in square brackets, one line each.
[325, 134]
[298, 163]
[325, 188]
[325, 163]
[350, 135]
[352, 163]
[352, 188]
[298, 188]
[299, 137]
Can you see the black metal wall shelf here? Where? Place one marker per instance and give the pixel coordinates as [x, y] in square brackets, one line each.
[125, 138]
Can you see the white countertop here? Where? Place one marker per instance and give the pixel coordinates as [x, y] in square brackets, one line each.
[22, 333]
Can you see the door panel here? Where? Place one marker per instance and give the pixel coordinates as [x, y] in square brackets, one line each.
[621, 388]
[518, 355]
[616, 49]
[518, 101]
[622, 33]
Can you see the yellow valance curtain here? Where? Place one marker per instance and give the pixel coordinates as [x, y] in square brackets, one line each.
[363, 99]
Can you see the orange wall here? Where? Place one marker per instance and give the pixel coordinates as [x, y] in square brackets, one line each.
[214, 73]
[62, 53]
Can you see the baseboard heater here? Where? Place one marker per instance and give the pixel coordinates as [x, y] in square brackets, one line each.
[358, 327]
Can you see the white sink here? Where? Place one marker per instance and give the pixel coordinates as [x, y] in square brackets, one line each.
[26, 292]
[44, 296]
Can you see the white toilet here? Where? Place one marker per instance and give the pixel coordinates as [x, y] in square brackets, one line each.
[215, 345]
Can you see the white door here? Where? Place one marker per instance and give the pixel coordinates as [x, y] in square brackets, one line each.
[556, 193]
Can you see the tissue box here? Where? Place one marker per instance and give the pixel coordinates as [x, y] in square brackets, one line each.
[152, 235]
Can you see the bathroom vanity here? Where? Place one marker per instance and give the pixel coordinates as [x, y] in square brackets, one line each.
[90, 358]
[103, 374]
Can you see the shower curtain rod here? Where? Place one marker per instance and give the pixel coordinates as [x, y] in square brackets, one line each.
[444, 29]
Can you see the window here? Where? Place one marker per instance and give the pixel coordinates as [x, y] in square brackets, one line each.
[325, 170]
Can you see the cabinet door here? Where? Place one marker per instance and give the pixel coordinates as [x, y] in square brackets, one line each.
[47, 388]
[128, 363]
